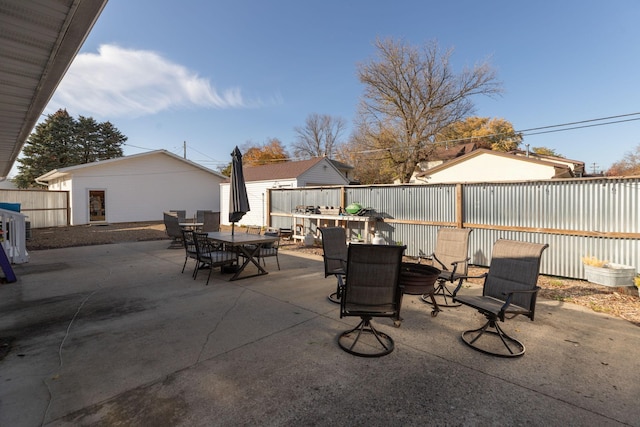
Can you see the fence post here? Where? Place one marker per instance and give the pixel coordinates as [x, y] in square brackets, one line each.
[459, 206]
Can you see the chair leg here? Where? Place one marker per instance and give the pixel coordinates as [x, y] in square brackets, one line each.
[436, 306]
[443, 294]
[382, 345]
[209, 276]
[513, 347]
[337, 295]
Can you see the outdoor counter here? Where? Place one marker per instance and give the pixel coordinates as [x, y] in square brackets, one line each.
[303, 223]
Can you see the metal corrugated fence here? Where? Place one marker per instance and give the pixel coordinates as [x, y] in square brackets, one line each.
[595, 216]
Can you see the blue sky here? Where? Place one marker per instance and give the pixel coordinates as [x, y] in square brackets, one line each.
[222, 73]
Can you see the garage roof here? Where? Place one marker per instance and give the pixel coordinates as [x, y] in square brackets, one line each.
[38, 41]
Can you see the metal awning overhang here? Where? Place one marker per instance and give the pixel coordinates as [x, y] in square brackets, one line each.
[38, 41]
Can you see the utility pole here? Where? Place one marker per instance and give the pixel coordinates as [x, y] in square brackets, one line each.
[184, 149]
[593, 168]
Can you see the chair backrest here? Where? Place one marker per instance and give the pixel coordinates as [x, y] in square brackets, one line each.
[189, 242]
[514, 267]
[200, 215]
[226, 227]
[203, 246]
[272, 232]
[452, 244]
[254, 229]
[171, 224]
[372, 283]
[182, 215]
[334, 247]
[210, 221]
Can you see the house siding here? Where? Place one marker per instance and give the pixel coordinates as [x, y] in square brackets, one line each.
[141, 188]
[257, 194]
[488, 168]
[322, 173]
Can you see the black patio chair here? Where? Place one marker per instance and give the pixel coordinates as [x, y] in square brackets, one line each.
[210, 255]
[173, 230]
[370, 288]
[334, 248]
[189, 248]
[270, 249]
[510, 289]
[210, 221]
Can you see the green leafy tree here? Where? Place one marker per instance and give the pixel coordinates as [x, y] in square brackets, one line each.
[413, 94]
[61, 141]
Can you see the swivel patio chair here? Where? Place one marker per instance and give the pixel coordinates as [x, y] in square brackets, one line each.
[173, 230]
[510, 288]
[450, 256]
[181, 214]
[334, 248]
[370, 288]
[200, 215]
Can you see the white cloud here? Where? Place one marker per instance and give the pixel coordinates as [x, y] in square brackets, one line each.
[119, 82]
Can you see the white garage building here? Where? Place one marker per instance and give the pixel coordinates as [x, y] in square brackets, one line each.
[134, 188]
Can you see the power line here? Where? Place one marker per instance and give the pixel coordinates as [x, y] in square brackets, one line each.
[527, 132]
[583, 121]
[578, 127]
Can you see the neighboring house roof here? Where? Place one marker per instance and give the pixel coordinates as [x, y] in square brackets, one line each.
[38, 42]
[561, 170]
[442, 153]
[283, 170]
[341, 166]
[58, 173]
[576, 165]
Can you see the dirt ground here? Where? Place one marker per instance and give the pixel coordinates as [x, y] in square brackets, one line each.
[619, 302]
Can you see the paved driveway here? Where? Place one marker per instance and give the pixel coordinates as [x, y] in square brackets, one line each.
[116, 335]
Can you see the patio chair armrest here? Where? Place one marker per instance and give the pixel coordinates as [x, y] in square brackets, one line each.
[343, 262]
[454, 268]
[432, 257]
[462, 279]
[509, 296]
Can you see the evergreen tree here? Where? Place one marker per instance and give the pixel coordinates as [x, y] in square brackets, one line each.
[61, 141]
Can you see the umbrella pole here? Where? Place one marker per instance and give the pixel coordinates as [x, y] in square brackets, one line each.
[233, 224]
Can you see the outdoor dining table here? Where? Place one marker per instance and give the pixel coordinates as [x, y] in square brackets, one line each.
[191, 225]
[248, 247]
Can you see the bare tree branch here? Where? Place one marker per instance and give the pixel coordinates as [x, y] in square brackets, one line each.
[320, 136]
[411, 95]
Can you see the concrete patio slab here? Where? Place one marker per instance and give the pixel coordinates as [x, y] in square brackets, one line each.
[115, 334]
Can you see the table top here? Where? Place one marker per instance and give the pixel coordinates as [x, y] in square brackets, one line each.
[350, 218]
[191, 224]
[240, 238]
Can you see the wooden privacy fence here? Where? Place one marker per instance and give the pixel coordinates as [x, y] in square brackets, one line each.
[43, 208]
[577, 217]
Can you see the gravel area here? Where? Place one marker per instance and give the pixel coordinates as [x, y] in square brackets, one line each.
[619, 302]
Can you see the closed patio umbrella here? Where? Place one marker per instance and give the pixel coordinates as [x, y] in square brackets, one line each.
[238, 200]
